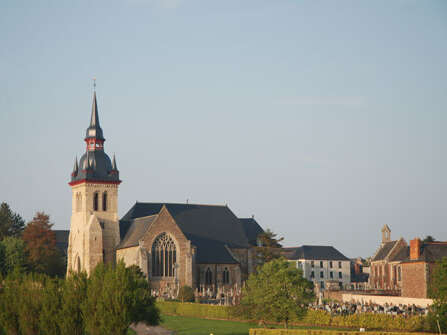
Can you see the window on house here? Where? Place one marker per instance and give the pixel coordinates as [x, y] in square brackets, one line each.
[340, 275]
[339, 265]
[321, 274]
[95, 201]
[208, 277]
[322, 284]
[312, 264]
[300, 265]
[312, 274]
[163, 256]
[226, 276]
[399, 273]
[340, 284]
[330, 264]
[321, 264]
[331, 274]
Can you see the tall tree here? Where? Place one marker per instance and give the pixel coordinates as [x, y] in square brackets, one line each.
[117, 297]
[12, 255]
[438, 292]
[11, 224]
[268, 247]
[40, 243]
[277, 292]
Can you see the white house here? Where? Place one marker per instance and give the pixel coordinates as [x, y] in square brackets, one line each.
[323, 265]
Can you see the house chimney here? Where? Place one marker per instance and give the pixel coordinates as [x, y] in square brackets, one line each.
[415, 249]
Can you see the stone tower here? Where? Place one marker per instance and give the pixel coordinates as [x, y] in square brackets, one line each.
[94, 228]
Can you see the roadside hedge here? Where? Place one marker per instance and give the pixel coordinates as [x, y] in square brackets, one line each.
[263, 331]
[312, 318]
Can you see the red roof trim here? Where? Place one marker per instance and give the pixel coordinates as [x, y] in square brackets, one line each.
[77, 182]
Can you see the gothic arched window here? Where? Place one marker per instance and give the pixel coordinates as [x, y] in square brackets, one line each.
[95, 201]
[104, 201]
[226, 276]
[163, 256]
[208, 277]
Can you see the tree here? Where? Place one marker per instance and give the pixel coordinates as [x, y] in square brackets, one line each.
[438, 292]
[186, 293]
[73, 295]
[277, 292]
[269, 247]
[40, 243]
[117, 297]
[428, 238]
[11, 224]
[12, 255]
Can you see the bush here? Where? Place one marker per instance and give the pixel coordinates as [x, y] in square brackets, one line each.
[186, 294]
[312, 318]
[316, 332]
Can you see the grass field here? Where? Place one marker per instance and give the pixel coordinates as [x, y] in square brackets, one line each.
[183, 325]
[194, 326]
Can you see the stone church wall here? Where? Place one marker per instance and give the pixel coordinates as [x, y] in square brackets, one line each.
[184, 251]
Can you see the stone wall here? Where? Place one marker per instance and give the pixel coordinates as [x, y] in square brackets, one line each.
[415, 279]
[382, 300]
[164, 223]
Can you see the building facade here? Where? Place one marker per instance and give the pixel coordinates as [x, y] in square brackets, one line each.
[325, 266]
[418, 268]
[203, 246]
[386, 269]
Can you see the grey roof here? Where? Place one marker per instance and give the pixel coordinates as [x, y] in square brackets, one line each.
[62, 240]
[209, 227]
[94, 130]
[401, 255]
[432, 252]
[384, 251]
[314, 252]
[252, 229]
[136, 231]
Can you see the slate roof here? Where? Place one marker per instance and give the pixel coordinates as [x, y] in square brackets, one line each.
[431, 252]
[314, 252]
[252, 229]
[384, 251]
[209, 227]
[62, 240]
[401, 255]
[136, 231]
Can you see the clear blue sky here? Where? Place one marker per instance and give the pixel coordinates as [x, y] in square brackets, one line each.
[324, 119]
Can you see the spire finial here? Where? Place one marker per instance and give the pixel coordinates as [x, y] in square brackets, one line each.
[94, 84]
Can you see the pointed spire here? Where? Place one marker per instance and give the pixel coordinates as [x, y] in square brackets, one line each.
[94, 120]
[94, 130]
[114, 163]
[75, 167]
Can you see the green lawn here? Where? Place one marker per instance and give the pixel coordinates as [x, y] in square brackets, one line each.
[183, 325]
[194, 326]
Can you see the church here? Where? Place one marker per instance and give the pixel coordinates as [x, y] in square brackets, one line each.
[205, 247]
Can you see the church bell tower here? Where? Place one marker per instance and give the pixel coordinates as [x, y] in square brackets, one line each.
[94, 228]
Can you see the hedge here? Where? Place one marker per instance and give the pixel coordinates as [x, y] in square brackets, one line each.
[263, 331]
[312, 318]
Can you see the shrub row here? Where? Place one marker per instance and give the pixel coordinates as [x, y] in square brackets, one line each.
[263, 331]
[312, 318]
[195, 310]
